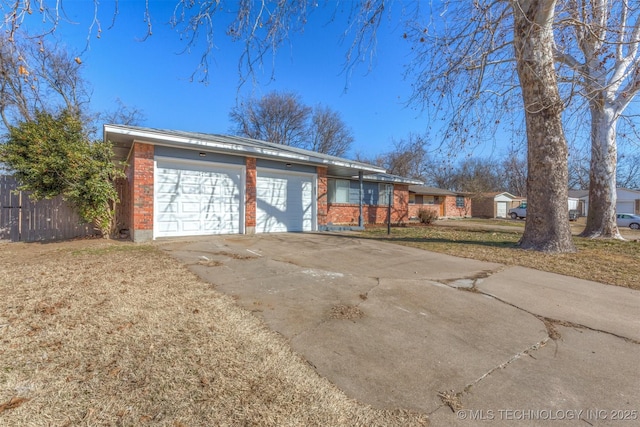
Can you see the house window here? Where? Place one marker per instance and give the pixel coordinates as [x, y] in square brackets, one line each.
[459, 202]
[338, 190]
[385, 193]
[429, 200]
[412, 199]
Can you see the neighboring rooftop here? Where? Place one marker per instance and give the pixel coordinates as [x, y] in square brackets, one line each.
[430, 191]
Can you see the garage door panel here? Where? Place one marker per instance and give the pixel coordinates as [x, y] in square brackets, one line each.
[194, 199]
[625, 207]
[167, 226]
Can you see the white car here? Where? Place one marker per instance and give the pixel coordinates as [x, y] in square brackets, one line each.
[628, 220]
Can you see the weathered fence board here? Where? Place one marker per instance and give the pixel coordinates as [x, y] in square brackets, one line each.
[22, 219]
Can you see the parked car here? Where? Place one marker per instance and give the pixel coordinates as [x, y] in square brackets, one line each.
[628, 220]
[574, 214]
[519, 212]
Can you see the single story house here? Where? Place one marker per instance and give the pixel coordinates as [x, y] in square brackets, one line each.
[495, 205]
[187, 183]
[445, 203]
[627, 200]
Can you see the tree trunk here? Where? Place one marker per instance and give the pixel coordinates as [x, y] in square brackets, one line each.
[547, 228]
[601, 217]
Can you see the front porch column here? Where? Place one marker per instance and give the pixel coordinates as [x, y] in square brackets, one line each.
[322, 196]
[250, 197]
[140, 174]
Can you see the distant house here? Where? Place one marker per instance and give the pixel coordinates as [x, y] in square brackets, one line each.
[495, 205]
[445, 203]
[627, 201]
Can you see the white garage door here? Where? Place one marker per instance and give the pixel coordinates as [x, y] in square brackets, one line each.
[197, 198]
[285, 201]
[502, 210]
[625, 207]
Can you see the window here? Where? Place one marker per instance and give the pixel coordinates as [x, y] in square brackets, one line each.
[385, 193]
[429, 200]
[459, 202]
[412, 199]
[338, 190]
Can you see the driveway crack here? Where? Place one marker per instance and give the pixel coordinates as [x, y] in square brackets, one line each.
[453, 399]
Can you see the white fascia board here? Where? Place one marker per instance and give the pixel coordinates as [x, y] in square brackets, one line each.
[185, 142]
[390, 179]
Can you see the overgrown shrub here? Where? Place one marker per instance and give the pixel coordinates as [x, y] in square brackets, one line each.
[52, 155]
[427, 216]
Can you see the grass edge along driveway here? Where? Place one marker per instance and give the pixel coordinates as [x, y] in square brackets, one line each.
[109, 333]
[612, 262]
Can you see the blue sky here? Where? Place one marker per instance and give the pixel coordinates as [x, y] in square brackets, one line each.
[153, 76]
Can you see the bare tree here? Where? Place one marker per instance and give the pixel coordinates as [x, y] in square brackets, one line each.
[628, 171]
[547, 228]
[328, 133]
[579, 168]
[468, 61]
[280, 118]
[514, 171]
[408, 157]
[476, 176]
[35, 76]
[599, 41]
[122, 114]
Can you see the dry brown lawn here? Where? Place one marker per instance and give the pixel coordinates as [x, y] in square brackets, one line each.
[611, 262]
[107, 333]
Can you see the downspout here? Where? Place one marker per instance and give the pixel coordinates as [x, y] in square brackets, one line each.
[361, 219]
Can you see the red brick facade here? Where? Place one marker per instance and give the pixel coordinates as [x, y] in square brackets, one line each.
[414, 210]
[451, 210]
[140, 176]
[322, 207]
[445, 206]
[343, 213]
[250, 196]
[140, 182]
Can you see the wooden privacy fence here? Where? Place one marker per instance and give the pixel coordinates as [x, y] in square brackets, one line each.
[23, 220]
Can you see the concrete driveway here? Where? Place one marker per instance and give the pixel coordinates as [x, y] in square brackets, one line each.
[461, 340]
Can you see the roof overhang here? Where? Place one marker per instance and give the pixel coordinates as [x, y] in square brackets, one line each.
[388, 178]
[430, 191]
[122, 139]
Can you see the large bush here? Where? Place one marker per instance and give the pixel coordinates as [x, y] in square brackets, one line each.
[427, 216]
[52, 155]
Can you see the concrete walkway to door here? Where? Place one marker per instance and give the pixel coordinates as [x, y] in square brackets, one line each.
[397, 327]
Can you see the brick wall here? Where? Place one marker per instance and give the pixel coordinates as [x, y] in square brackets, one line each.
[484, 207]
[322, 206]
[452, 211]
[415, 209]
[140, 174]
[347, 213]
[444, 207]
[250, 196]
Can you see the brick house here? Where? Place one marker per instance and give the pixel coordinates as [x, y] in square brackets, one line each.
[445, 203]
[187, 184]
